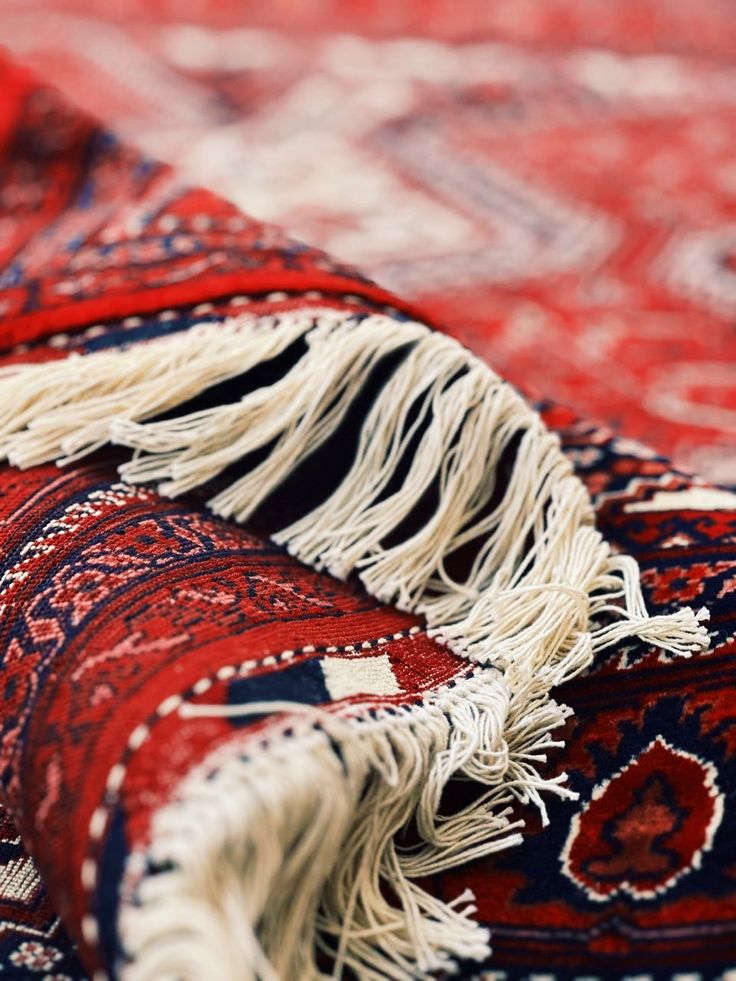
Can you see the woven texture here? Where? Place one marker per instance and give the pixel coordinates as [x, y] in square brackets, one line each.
[554, 180]
[121, 606]
[635, 877]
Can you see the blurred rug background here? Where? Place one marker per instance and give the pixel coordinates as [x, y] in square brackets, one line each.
[556, 180]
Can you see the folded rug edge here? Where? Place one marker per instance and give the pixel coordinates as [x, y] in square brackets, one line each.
[542, 594]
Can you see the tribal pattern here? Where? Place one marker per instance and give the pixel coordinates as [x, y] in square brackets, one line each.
[555, 181]
[141, 636]
[637, 876]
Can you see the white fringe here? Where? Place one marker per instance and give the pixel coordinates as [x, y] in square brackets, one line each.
[255, 838]
[542, 595]
[67, 406]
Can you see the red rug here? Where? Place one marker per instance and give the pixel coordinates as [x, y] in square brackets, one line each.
[554, 181]
[110, 592]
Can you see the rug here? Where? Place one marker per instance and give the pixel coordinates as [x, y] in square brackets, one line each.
[635, 878]
[181, 691]
[554, 181]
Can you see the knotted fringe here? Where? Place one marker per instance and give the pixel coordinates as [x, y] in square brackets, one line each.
[505, 566]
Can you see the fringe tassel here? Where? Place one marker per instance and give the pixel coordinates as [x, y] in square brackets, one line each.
[67, 406]
[283, 815]
[540, 594]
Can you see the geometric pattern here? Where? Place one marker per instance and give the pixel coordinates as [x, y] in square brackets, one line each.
[644, 827]
[109, 596]
[638, 876]
[31, 937]
[565, 207]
